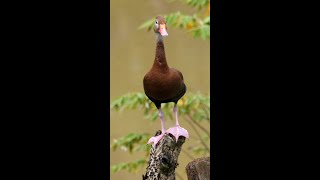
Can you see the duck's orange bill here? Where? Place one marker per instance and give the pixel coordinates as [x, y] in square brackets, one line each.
[163, 30]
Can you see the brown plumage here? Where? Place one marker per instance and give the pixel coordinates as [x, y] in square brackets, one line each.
[163, 84]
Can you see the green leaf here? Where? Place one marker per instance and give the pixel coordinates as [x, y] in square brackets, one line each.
[130, 166]
[129, 141]
[207, 20]
[199, 150]
[152, 116]
[148, 24]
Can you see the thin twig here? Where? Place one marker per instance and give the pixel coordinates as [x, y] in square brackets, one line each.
[184, 151]
[192, 137]
[207, 113]
[201, 127]
[195, 129]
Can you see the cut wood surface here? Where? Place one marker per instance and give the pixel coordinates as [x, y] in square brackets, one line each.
[199, 169]
[164, 158]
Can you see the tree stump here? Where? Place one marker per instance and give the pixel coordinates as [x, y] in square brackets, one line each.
[199, 169]
[164, 158]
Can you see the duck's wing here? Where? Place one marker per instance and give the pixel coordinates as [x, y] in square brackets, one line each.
[178, 72]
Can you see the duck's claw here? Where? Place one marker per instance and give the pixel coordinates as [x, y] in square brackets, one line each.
[178, 131]
[155, 139]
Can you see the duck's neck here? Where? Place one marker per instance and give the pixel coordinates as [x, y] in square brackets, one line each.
[160, 59]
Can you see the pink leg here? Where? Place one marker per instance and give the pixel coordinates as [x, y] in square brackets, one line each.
[177, 130]
[156, 139]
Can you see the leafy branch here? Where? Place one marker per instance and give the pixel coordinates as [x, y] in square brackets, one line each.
[193, 107]
[197, 24]
[130, 166]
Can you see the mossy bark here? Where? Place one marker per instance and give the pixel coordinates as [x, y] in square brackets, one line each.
[199, 169]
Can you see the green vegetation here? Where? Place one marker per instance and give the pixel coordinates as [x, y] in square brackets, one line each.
[198, 24]
[194, 108]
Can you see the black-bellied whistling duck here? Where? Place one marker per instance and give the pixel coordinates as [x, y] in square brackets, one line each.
[163, 84]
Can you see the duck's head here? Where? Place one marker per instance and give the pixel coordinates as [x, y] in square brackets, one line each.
[160, 26]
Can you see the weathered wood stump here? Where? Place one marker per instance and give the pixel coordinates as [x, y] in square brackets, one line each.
[199, 169]
[164, 158]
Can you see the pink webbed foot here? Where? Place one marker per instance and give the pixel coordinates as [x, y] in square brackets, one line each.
[155, 139]
[178, 131]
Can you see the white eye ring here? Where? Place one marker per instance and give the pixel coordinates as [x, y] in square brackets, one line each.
[156, 22]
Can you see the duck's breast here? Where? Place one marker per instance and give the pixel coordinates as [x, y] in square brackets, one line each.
[163, 86]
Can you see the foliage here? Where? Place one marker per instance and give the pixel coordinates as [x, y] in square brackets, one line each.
[130, 166]
[193, 107]
[132, 142]
[198, 24]
[197, 3]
